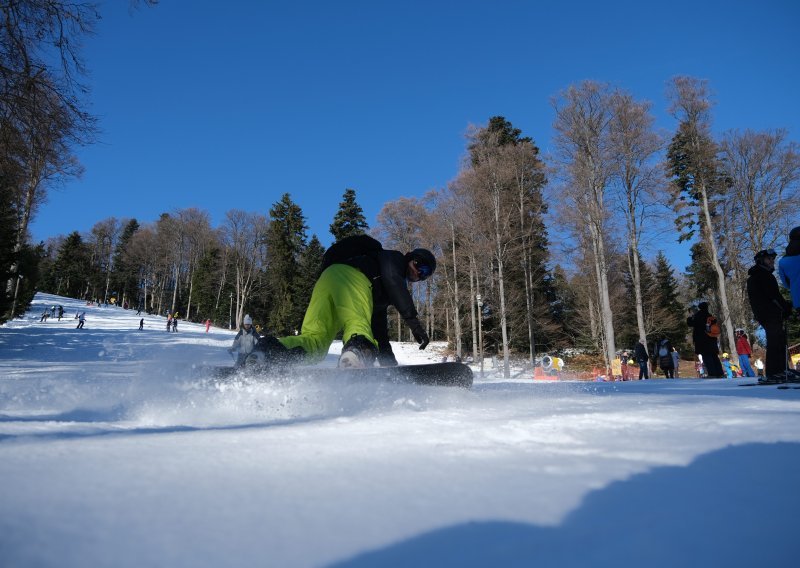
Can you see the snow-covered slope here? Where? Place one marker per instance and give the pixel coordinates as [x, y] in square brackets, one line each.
[115, 452]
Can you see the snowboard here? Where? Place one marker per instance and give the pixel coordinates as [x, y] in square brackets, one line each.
[433, 374]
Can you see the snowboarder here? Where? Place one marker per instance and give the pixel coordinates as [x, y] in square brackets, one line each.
[359, 281]
[141, 324]
[705, 342]
[770, 310]
[245, 341]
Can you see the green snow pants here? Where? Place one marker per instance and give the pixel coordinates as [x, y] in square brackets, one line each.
[341, 301]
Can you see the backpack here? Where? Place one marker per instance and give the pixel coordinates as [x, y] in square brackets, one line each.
[350, 247]
[663, 351]
[712, 327]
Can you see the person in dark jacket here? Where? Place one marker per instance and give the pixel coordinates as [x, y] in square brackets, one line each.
[359, 281]
[770, 309]
[640, 351]
[665, 361]
[704, 344]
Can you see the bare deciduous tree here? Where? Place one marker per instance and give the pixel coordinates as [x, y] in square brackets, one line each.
[696, 170]
[583, 114]
[245, 236]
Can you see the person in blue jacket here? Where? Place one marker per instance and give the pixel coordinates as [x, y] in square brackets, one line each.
[789, 267]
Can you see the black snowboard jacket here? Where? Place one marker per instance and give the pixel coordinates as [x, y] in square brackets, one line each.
[765, 296]
[386, 270]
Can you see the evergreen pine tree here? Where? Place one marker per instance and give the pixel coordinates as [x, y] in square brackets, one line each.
[72, 266]
[7, 238]
[349, 219]
[124, 276]
[671, 312]
[286, 241]
[564, 311]
[308, 272]
[206, 288]
[700, 274]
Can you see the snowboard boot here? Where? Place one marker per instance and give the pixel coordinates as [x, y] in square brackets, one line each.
[358, 353]
[270, 353]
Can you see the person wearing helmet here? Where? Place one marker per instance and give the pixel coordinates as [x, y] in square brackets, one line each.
[726, 365]
[245, 341]
[789, 267]
[359, 281]
[770, 309]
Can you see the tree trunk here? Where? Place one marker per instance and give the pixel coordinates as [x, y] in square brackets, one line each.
[456, 310]
[723, 293]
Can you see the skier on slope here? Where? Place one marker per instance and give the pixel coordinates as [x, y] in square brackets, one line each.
[359, 281]
[245, 341]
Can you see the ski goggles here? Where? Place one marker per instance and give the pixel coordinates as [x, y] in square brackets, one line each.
[422, 269]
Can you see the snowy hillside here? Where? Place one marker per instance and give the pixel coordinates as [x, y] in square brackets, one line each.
[115, 452]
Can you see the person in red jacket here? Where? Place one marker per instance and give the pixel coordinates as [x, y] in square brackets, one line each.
[744, 351]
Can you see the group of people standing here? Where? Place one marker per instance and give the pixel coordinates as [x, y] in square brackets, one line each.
[172, 322]
[770, 309]
[666, 357]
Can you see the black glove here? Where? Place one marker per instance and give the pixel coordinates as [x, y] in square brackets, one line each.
[386, 357]
[419, 333]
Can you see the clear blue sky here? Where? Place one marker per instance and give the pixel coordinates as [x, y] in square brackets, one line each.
[222, 105]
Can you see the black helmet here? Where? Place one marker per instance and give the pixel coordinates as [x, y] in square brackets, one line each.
[794, 234]
[762, 254]
[425, 261]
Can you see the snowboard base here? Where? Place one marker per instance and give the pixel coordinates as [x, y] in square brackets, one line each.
[433, 374]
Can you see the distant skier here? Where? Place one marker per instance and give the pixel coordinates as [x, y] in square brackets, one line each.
[45, 315]
[359, 281]
[208, 324]
[60, 312]
[81, 320]
[141, 324]
[245, 341]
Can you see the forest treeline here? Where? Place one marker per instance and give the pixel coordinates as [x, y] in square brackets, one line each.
[536, 253]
